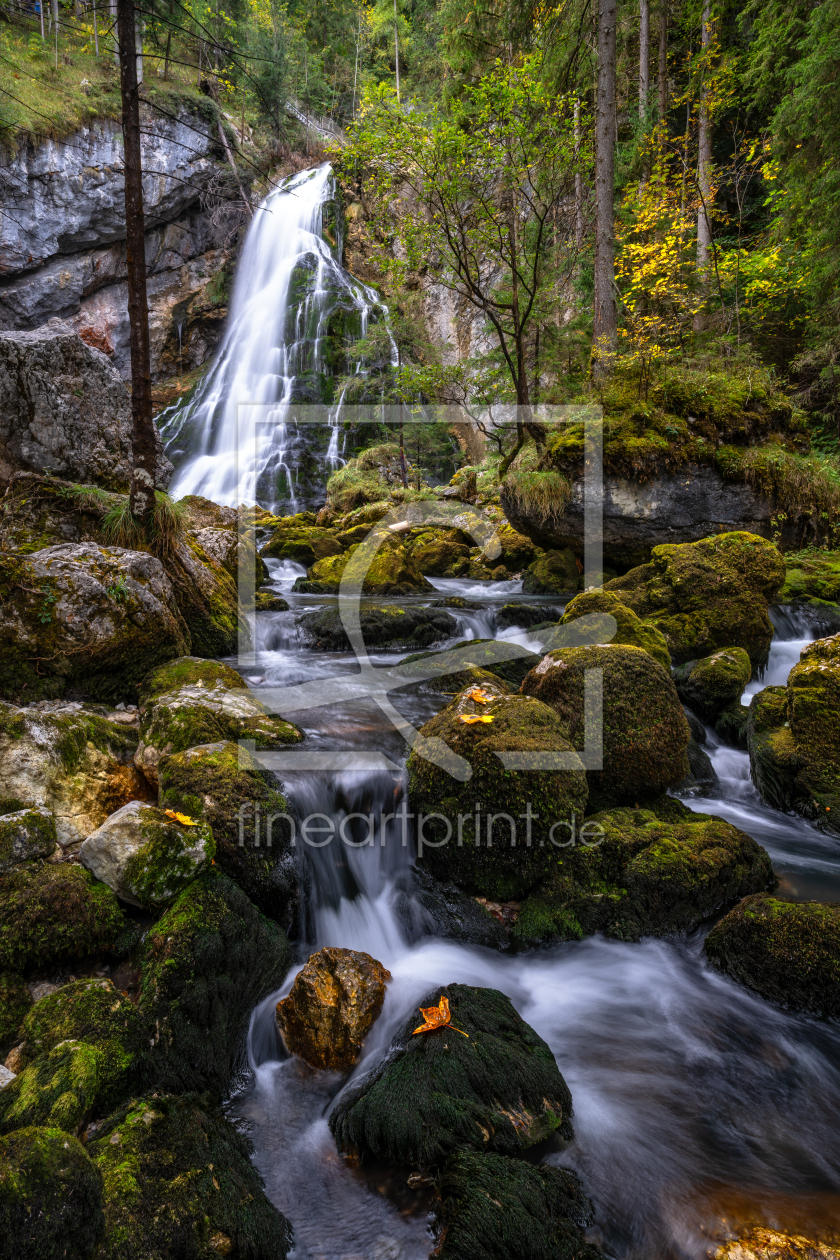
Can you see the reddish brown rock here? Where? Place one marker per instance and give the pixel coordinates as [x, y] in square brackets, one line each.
[332, 1006]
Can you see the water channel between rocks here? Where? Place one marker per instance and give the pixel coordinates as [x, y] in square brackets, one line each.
[699, 1109]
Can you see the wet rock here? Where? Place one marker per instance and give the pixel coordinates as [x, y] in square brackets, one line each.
[731, 725]
[489, 832]
[552, 573]
[191, 1179]
[441, 552]
[26, 835]
[525, 615]
[645, 733]
[492, 1207]
[208, 599]
[695, 726]
[205, 965]
[49, 912]
[391, 571]
[767, 1244]
[265, 601]
[191, 701]
[701, 778]
[15, 1001]
[714, 683]
[419, 666]
[83, 1048]
[496, 1089]
[64, 410]
[50, 1197]
[332, 1007]
[386, 627]
[306, 543]
[598, 606]
[448, 912]
[223, 784]
[145, 857]
[234, 550]
[70, 760]
[508, 662]
[787, 951]
[708, 595]
[642, 872]
[78, 614]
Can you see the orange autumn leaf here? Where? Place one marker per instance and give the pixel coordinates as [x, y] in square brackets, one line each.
[470, 719]
[183, 819]
[479, 696]
[437, 1017]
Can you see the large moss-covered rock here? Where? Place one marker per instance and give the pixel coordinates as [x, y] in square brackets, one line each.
[82, 615]
[552, 573]
[454, 668]
[205, 965]
[630, 631]
[496, 1089]
[441, 552]
[146, 857]
[788, 951]
[83, 1051]
[489, 833]
[69, 760]
[390, 627]
[305, 543]
[50, 1197]
[332, 1007]
[714, 683]
[708, 595]
[189, 701]
[178, 1182]
[492, 1207]
[208, 597]
[15, 1001]
[223, 784]
[390, 571]
[235, 551]
[510, 548]
[645, 733]
[26, 835]
[638, 872]
[811, 575]
[49, 912]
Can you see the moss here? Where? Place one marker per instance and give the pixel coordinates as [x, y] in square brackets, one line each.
[187, 671]
[552, 573]
[207, 599]
[630, 631]
[26, 835]
[714, 683]
[504, 853]
[15, 1001]
[170, 858]
[391, 571]
[50, 1197]
[492, 1207]
[645, 733]
[51, 912]
[506, 661]
[441, 553]
[497, 1089]
[708, 595]
[731, 725]
[388, 626]
[306, 544]
[205, 965]
[789, 952]
[178, 1181]
[811, 574]
[632, 873]
[224, 785]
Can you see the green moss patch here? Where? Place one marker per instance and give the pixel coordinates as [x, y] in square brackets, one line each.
[552, 573]
[50, 1197]
[15, 1001]
[599, 605]
[714, 683]
[51, 912]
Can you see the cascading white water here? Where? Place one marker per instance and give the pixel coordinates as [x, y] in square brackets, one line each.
[294, 316]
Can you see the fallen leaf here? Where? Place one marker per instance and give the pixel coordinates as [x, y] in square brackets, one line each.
[479, 696]
[437, 1017]
[470, 719]
[183, 819]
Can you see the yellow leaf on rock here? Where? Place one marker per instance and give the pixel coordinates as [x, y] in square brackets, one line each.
[437, 1017]
[469, 719]
[183, 819]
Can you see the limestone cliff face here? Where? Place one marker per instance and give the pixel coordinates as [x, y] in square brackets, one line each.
[62, 240]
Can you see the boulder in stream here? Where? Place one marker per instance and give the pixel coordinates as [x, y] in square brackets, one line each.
[331, 1008]
[508, 662]
[787, 951]
[390, 571]
[388, 627]
[552, 573]
[54, 911]
[298, 538]
[441, 552]
[715, 683]
[602, 608]
[492, 1086]
[50, 1197]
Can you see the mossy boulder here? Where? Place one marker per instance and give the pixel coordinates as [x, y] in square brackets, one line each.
[492, 1207]
[525, 616]
[598, 606]
[208, 597]
[508, 547]
[223, 785]
[71, 760]
[235, 551]
[390, 627]
[305, 544]
[552, 573]
[645, 732]
[50, 1197]
[708, 595]
[205, 965]
[444, 671]
[26, 835]
[15, 1001]
[189, 701]
[145, 857]
[178, 1181]
[390, 571]
[731, 725]
[488, 832]
[48, 912]
[641, 872]
[788, 951]
[496, 1089]
[714, 683]
[441, 553]
[811, 574]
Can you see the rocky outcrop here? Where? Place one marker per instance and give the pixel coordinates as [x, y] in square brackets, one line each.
[64, 410]
[50, 1196]
[25, 835]
[715, 683]
[332, 1007]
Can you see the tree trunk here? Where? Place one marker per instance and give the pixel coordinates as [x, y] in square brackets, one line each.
[644, 55]
[663, 62]
[396, 52]
[144, 455]
[604, 323]
[704, 164]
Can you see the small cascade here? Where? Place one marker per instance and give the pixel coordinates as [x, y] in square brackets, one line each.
[295, 316]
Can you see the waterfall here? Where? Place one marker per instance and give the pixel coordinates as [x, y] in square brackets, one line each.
[295, 315]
